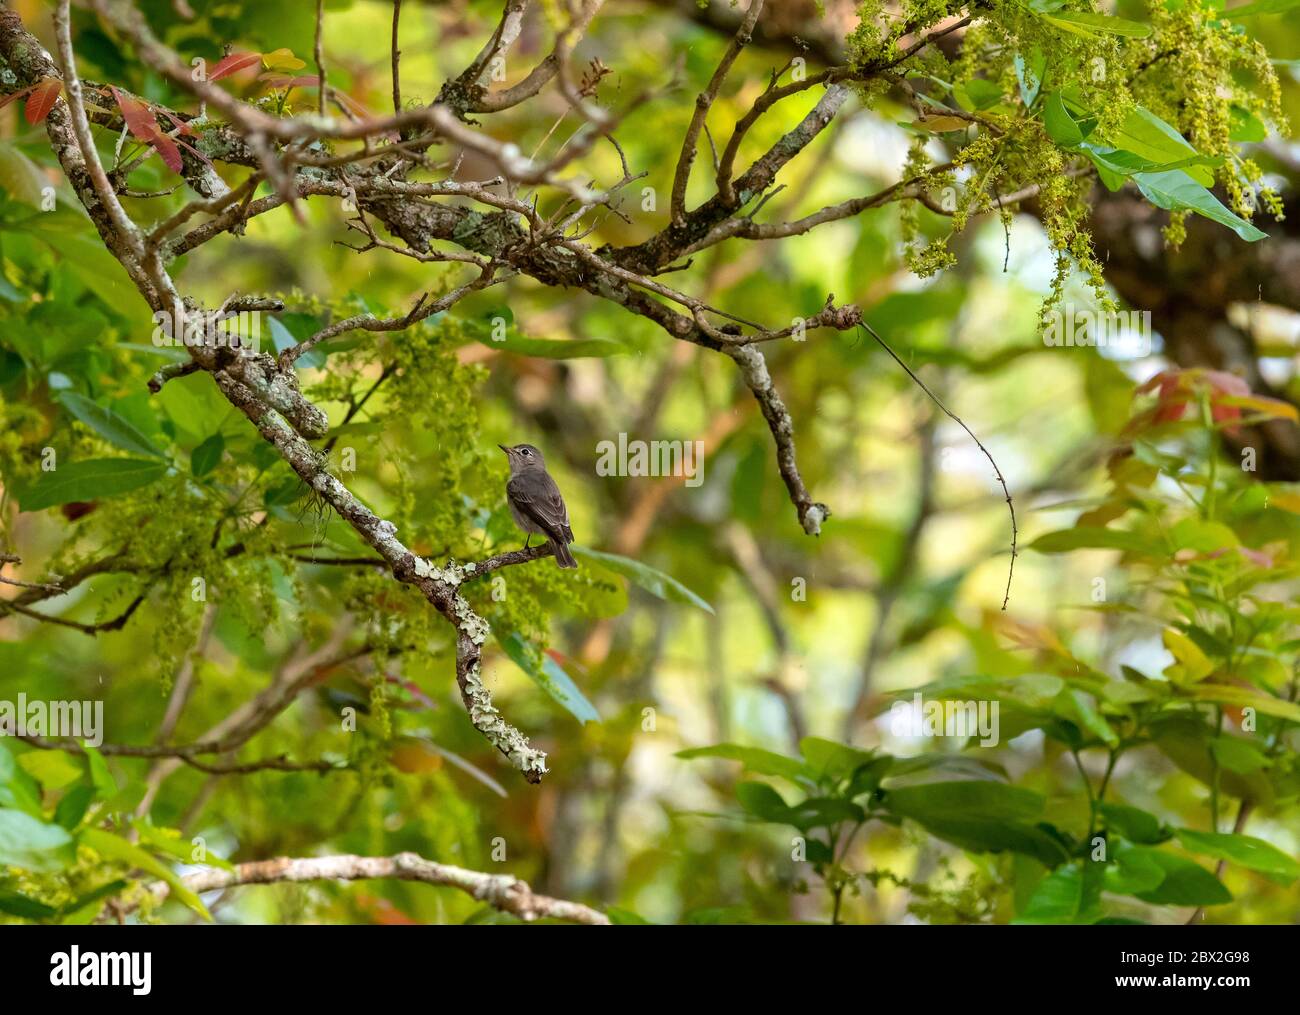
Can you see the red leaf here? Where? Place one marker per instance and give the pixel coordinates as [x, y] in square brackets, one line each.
[139, 119]
[1257, 557]
[288, 81]
[177, 122]
[42, 100]
[233, 64]
[167, 148]
[6, 99]
[141, 122]
[354, 107]
[196, 153]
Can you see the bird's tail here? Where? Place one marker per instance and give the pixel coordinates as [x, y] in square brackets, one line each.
[563, 555]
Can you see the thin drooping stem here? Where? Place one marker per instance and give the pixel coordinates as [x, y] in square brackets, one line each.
[960, 422]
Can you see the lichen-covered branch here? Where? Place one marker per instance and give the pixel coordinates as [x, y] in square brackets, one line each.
[753, 368]
[500, 891]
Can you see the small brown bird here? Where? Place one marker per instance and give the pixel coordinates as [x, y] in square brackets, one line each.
[535, 501]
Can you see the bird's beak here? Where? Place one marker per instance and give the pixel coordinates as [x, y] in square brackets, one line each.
[504, 448]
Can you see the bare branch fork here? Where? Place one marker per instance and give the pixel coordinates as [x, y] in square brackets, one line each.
[507, 238]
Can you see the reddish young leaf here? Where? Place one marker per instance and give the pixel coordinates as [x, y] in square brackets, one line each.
[42, 100]
[288, 81]
[139, 119]
[6, 99]
[196, 153]
[353, 106]
[177, 122]
[142, 123]
[169, 151]
[233, 64]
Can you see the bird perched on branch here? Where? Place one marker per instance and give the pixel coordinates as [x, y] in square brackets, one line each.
[535, 501]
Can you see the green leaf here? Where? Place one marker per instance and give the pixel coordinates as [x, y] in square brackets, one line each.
[982, 816]
[17, 787]
[1243, 850]
[977, 94]
[980, 835]
[207, 456]
[1116, 165]
[114, 847]
[1149, 137]
[32, 844]
[17, 904]
[20, 177]
[763, 802]
[1185, 741]
[115, 429]
[73, 238]
[1029, 75]
[288, 330]
[169, 842]
[97, 769]
[1090, 26]
[643, 576]
[1191, 664]
[924, 769]
[1133, 823]
[549, 676]
[981, 798]
[830, 760]
[1078, 707]
[755, 759]
[824, 812]
[1227, 694]
[1133, 871]
[1090, 538]
[1185, 883]
[53, 769]
[72, 808]
[867, 777]
[78, 910]
[91, 479]
[1246, 126]
[196, 407]
[1060, 125]
[1236, 755]
[1067, 895]
[1176, 191]
[1202, 536]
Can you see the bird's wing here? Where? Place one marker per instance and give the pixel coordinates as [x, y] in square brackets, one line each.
[539, 498]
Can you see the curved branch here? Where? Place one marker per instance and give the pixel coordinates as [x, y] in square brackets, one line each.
[500, 891]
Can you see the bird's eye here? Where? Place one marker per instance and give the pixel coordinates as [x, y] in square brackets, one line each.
[524, 452]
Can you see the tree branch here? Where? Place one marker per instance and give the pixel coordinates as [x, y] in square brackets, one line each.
[500, 891]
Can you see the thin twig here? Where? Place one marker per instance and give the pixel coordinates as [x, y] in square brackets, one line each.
[953, 416]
